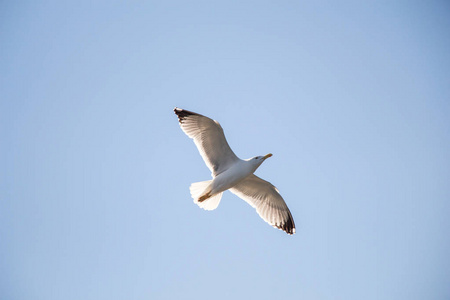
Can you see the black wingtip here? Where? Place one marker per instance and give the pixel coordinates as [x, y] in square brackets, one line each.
[182, 113]
[288, 226]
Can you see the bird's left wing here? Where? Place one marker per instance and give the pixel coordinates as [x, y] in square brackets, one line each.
[268, 202]
[209, 138]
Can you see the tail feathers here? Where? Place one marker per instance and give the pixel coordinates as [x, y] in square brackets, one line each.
[202, 190]
[211, 203]
[199, 189]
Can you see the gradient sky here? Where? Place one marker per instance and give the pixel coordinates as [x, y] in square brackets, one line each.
[352, 98]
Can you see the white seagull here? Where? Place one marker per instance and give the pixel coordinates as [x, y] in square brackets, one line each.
[232, 173]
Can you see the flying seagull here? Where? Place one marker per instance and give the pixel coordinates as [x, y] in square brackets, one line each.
[232, 173]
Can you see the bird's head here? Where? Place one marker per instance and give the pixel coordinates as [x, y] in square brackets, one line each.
[258, 160]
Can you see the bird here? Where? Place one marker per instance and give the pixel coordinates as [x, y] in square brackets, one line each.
[232, 173]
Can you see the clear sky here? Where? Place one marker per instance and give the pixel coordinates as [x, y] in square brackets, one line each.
[352, 98]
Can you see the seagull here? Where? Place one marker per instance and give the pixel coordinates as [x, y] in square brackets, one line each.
[232, 173]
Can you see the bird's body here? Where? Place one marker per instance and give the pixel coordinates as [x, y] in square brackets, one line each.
[228, 178]
[234, 174]
[231, 173]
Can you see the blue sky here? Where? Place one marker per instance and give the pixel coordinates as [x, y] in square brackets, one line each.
[352, 98]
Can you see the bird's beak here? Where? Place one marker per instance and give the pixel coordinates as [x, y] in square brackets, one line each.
[267, 155]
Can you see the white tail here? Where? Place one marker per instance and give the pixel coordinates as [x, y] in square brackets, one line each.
[202, 188]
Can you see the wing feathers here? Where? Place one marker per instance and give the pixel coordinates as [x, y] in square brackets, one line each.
[209, 138]
[268, 202]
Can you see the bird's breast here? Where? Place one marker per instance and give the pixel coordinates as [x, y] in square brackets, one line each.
[230, 177]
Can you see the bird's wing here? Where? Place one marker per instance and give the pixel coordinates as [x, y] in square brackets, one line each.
[209, 138]
[268, 202]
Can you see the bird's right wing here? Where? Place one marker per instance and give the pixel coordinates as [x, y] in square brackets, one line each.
[268, 202]
[209, 138]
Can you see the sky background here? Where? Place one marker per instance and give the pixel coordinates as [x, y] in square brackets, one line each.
[352, 98]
